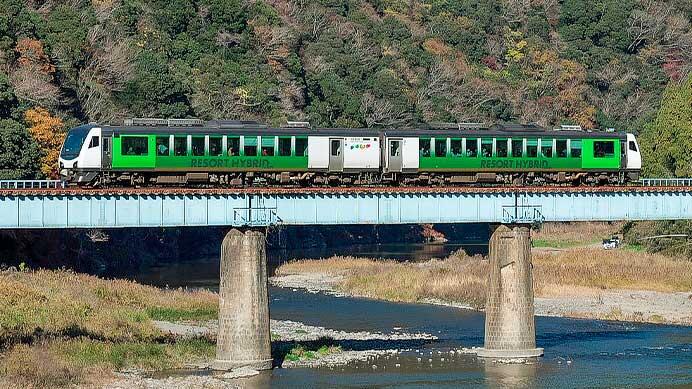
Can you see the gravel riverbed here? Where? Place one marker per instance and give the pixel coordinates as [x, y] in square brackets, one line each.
[351, 347]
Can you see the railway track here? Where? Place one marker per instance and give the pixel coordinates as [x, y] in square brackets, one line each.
[55, 188]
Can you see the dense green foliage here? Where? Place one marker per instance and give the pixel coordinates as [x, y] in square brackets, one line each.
[597, 63]
[667, 141]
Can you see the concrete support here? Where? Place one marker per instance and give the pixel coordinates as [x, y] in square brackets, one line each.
[244, 338]
[509, 320]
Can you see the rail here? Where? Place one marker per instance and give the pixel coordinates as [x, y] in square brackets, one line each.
[32, 184]
[666, 181]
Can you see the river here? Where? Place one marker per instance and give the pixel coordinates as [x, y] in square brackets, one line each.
[578, 353]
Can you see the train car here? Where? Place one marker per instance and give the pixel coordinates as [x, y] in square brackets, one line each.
[182, 152]
[230, 153]
[511, 154]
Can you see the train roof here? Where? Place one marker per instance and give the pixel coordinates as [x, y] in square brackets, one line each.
[192, 126]
[505, 131]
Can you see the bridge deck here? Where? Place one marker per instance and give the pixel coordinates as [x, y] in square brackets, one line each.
[76, 208]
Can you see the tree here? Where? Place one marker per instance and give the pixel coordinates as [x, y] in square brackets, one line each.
[33, 76]
[382, 113]
[19, 154]
[106, 70]
[8, 101]
[595, 30]
[155, 88]
[48, 132]
[67, 36]
[667, 141]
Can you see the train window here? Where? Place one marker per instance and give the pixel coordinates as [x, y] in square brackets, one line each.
[94, 142]
[162, 146]
[471, 147]
[233, 146]
[486, 148]
[547, 148]
[424, 147]
[336, 147]
[250, 146]
[198, 146]
[215, 146]
[575, 148]
[633, 146]
[455, 147]
[395, 148]
[135, 145]
[501, 148]
[268, 146]
[180, 146]
[561, 148]
[517, 148]
[440, 147]
[285, 147]
[301, 146]
[604, 149]
[532, 148]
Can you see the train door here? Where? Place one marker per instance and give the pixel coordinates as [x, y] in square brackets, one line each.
[107, 156]
[395, 158]
[91, 154]
[336, 154]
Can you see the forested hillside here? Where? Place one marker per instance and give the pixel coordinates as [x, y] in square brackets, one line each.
[610, 63]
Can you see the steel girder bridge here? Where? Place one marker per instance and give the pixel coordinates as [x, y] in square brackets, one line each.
[53, 206]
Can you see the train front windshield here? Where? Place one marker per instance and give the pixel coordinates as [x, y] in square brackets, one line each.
[73, 142]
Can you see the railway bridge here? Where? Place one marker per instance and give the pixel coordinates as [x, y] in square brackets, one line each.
[244, 337]
[26, 205]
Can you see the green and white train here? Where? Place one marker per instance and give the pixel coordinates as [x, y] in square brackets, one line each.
[182, 152]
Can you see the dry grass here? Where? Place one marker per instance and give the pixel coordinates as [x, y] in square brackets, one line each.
[56, 303]
[58, 328]
[610, 269]
[337, 265]
[458, 278]
[573, 234]
[462, 279]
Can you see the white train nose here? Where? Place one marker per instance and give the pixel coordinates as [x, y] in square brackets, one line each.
[68, 164]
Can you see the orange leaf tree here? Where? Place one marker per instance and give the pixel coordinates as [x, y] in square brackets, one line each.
[48, 131]
[31, 53]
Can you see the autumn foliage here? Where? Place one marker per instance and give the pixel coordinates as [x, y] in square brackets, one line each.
[49, 133]
[31, 53]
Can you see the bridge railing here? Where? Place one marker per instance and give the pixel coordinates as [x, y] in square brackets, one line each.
[666, 181]
[522, 214]
[254, 217]
[31, 184]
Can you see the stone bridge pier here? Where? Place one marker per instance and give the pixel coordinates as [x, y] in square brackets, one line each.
[243, 339]
[510, 330]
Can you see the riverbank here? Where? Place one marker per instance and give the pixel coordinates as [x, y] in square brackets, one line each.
[62, 329]
[581, 282]
[293, 345]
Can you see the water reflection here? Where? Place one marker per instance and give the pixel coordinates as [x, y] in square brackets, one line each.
[261, 381]
[518, 375]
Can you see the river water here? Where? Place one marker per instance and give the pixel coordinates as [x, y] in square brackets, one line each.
[578, 353]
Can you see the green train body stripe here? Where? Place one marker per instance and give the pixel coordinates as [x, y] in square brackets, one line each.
[151, 161]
